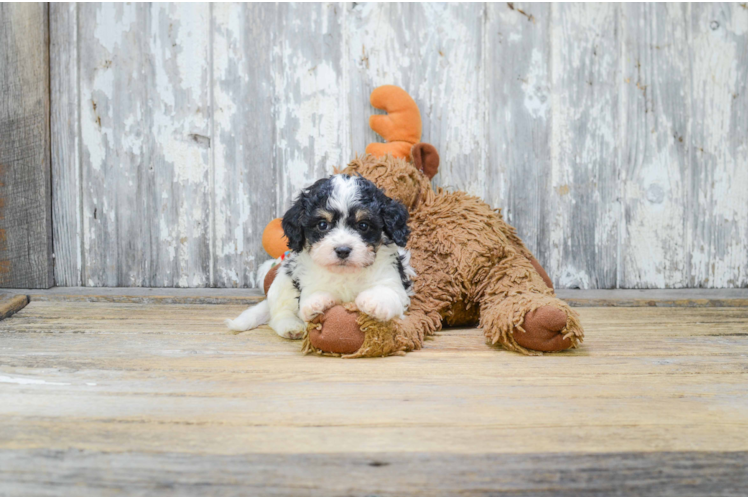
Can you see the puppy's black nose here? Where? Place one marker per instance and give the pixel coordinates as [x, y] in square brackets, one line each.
[342, 252]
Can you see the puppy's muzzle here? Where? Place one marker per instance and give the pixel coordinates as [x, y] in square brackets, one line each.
[343, 252]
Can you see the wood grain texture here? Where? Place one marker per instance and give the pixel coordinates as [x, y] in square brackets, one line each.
[585, 206]
[719, 145]
[179, 145]
[309, 118]
[146, 133]
[668, 297]
[656, 136]
[518, 169]
[142, 295]
[609, 135]
[683, 297]
[117, 169]
[11, 303]
[245, 70]
[65, 142]
[162, 389]
[25, 195]
[82, 472]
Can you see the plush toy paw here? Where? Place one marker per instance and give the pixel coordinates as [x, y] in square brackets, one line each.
[338, 333]
[543, 330]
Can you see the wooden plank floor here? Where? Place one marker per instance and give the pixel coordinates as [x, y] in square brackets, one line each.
[122, 398]
[670, 297]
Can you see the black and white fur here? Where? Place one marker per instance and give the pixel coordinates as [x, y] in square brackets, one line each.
[347, 244]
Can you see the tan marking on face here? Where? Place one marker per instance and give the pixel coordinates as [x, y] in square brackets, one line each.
[362, 214]
[328, 216]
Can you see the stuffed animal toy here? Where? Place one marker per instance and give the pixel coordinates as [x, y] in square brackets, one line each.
[274, 240]
[471, 266]
[400, 127]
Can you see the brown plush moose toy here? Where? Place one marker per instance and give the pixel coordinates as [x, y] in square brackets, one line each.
[471, 266]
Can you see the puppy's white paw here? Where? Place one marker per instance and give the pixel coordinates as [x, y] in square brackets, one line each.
[289, 327]
[379, 305]
[232, 325]
[318, 303]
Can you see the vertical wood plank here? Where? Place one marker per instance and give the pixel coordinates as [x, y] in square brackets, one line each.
[310, 106]
[285, 96]
[116, 164]
[654, 142]
[585, 206]
[519, 108]
[718, 204]
[179, 143]
[25, 196]
[244, 74]
[434, 52]
[145, 128]
[65, 135]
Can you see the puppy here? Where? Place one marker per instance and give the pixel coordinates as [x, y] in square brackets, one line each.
[347, 244]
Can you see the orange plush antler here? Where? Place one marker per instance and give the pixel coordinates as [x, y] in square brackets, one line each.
[400, 127]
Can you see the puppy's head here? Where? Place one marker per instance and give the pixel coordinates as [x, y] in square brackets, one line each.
[342, 221]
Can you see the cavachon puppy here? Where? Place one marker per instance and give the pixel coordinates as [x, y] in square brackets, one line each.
[347, 242]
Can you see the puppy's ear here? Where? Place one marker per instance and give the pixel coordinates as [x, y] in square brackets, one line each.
[395, 217]
[293, 224]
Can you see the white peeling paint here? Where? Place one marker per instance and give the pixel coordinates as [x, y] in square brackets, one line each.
[27, 381]
[208, 120]
[536, 101]
[309, 128]
[655, 98]
[720, 155]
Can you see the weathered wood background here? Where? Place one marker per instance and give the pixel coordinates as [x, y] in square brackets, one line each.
[614, 136]
[25, 208]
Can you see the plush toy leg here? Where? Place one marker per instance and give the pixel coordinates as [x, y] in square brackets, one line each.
[520, 313]
[530, 323]
[343, 331]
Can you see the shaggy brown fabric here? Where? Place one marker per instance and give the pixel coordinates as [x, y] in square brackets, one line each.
[463, 314]
[470, 265]
[539, 269]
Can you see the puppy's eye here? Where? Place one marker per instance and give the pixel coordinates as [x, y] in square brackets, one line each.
[323, 225]
[363, 226]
